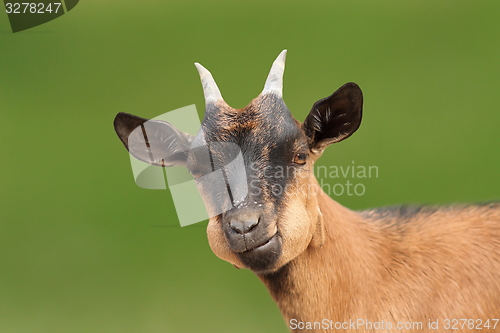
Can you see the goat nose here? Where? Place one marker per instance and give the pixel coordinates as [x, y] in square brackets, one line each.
[243, 224]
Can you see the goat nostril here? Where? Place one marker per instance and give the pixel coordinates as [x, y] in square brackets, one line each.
[243, 226]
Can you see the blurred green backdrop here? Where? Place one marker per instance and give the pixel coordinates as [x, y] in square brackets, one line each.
[83, 249]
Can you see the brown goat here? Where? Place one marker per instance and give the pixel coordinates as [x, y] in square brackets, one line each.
[329, 269]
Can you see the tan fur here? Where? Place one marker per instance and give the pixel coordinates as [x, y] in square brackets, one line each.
[348, 265]
[444, 267]
[341, 265]
[320, 260]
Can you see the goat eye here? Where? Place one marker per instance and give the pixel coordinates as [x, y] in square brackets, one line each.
[300, 159]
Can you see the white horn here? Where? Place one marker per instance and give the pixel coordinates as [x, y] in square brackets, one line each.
[210, 89]
[274, 82]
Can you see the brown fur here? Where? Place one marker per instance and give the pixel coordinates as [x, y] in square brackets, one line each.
[444, 265]
[320, 260]
[338, 264]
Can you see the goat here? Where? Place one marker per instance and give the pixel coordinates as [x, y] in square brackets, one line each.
[327, 267]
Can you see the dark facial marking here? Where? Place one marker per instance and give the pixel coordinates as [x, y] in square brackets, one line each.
[270, 140]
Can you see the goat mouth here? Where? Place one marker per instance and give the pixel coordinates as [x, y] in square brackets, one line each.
[261, 245]
[263, 257]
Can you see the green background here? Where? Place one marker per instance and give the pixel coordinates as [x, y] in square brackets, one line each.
[83, 249]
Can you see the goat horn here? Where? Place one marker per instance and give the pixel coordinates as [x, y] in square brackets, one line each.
[274, 82]
[210, 89]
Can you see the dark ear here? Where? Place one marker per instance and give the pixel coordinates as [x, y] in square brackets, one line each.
[334, 118]
[153, 141]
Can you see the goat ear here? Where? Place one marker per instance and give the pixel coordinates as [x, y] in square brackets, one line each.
[334, 118]
[153, 141]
